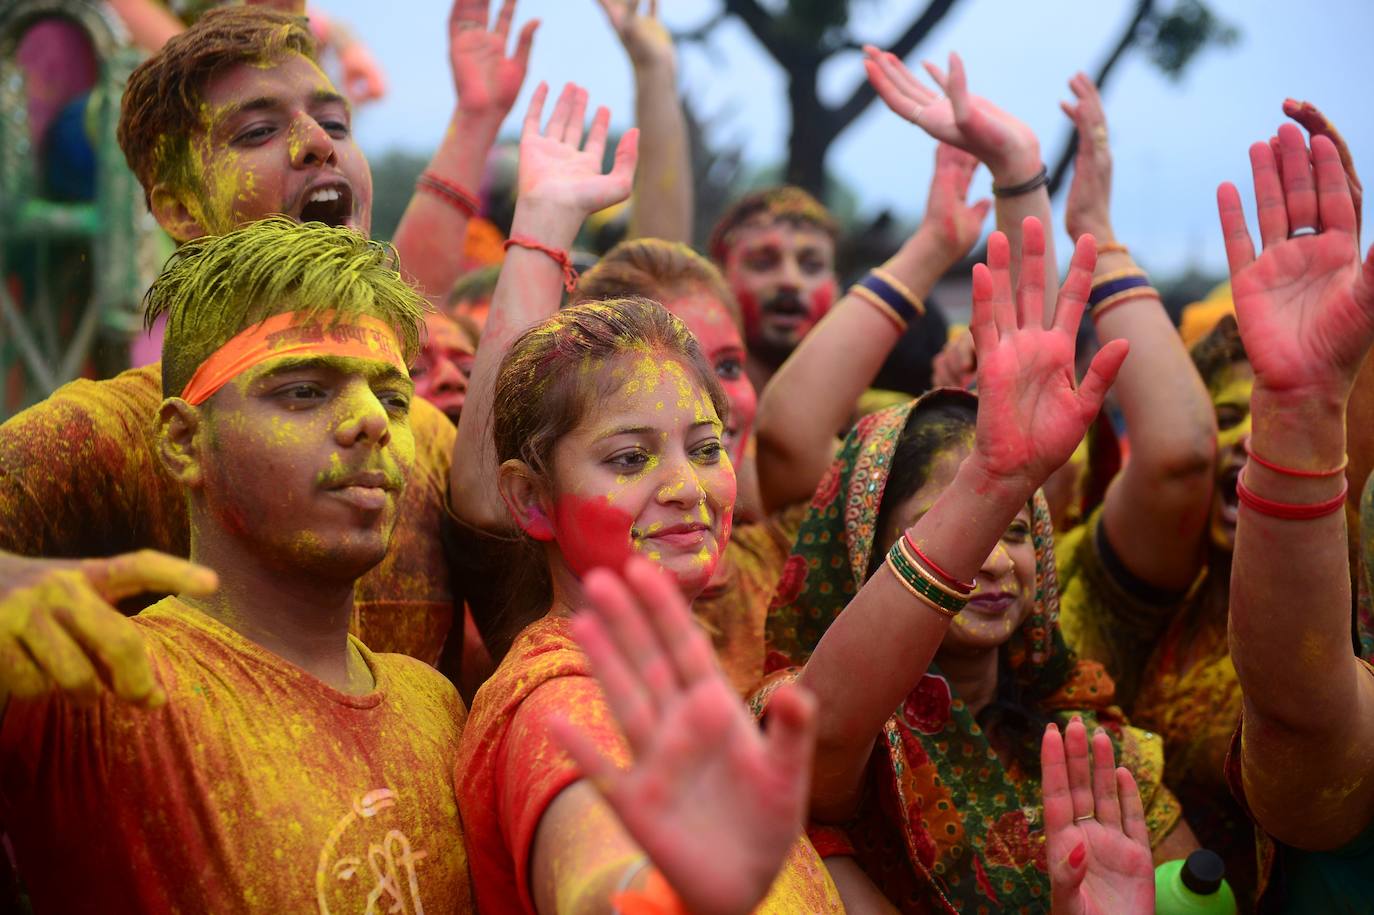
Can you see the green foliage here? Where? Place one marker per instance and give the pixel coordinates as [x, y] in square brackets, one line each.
[1172, 39]
[393, 183]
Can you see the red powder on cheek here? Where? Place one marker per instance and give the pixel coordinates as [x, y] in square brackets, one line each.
[592, 533]
[822, 297]
[749, 309]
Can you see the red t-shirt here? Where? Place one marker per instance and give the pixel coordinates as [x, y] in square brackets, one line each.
[510, 769]
[256, 788]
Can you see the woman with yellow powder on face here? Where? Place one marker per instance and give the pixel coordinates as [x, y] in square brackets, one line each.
[233, 747]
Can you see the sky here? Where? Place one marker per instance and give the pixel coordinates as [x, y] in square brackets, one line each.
[1172, 142]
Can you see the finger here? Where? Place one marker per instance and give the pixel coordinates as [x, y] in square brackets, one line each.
[1030, 287]
[905, 80]
[604, 775]
[465, 13]
[627, 621]
[1077, 286]
[1240, 250]
[59, 656]
[1101, 375]
[21, 677]
[671, 618]
[503, 20]
[625, 695]
[1073, 112]
[148, 571]
[1054, 781]
[957, 90]
[1269, 202]
[1080, 769]
[535, 113]
[1299, 188]
[577, 119]
[790, 732]
[596, 137]
[524, 44]
[116, 643]
[1336, 210]
[980, 210]
[982, 326]
[653, 9]
[623, 169]
[936, 74]
[999, 268]
[562, 112]
[1105, 803]
[1277, 150]
[1132, 810]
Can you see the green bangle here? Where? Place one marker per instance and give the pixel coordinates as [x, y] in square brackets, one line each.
[917, 582]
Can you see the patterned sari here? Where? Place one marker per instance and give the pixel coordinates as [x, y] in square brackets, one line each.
[945, 825]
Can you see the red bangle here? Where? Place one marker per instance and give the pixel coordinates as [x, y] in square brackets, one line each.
[963, 587]
[457, 196]
[1286, 511]
[564, 261]
[1293, 471]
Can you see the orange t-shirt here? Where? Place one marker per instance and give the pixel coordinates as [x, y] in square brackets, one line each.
[510, 769]
[80, 476]
[256, 788]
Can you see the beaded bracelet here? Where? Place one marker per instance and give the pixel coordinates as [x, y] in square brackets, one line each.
[891, 296]
[561, 257]
[1287, 511]
[1025, 187]
[920, 586]
[457, 196]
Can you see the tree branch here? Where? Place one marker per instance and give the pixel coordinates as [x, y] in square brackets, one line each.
[701, 32]
[760, 22]
[863, 95]
[1143, 10]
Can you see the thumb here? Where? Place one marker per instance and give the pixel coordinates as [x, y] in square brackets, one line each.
[1102, 375]
[1066, 877]
[626, 158]
[148, 571]
[790, 732]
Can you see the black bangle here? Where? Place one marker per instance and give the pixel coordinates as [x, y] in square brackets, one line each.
[1016, 190]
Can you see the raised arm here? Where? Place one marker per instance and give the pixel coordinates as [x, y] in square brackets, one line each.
[1031, 416]
[1305, 308]
[559, 184]
[813, 394]
[432, 231]
[1155, 511]
[709, 793]
[1007, 146]
[661, 206]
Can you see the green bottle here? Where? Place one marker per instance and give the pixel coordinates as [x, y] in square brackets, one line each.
[1196, 886]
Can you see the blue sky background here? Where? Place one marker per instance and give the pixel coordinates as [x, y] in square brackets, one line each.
[1173, 141]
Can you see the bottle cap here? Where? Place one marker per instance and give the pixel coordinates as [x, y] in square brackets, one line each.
[1203, 872]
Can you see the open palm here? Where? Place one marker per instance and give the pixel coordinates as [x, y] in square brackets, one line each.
[557, 168]
[1031, 414]
[1097, 843]
[486, 79]
[1306, 305]
[708, 792]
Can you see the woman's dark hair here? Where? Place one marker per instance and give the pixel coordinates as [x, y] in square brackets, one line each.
[937, 424]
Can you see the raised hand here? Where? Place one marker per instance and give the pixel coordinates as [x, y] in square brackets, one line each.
[709, 792]
[1031, 414]
[1318, 124]
[556, 168]
[955, 365]
[951, 223]
[1004, 144]
[59, 630]
[1096, 840]
[363, 78]
[1305, 306]
[644, 37]
[486, 79]
[1088, 210]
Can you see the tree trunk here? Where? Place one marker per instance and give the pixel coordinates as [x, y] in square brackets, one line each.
[812, 130]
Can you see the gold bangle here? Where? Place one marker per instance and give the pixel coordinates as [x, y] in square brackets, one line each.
[1125, 295]
[917, 594]
[912, 299]
[1112, 247]
[871, 297]
[926, 574]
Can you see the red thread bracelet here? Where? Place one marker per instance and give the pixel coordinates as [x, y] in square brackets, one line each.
[963, 587]
[1286, 511]
[456, 195]
[561, 257]
[1293, 471]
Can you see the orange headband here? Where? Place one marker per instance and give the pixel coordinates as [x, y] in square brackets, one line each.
[365, 337]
